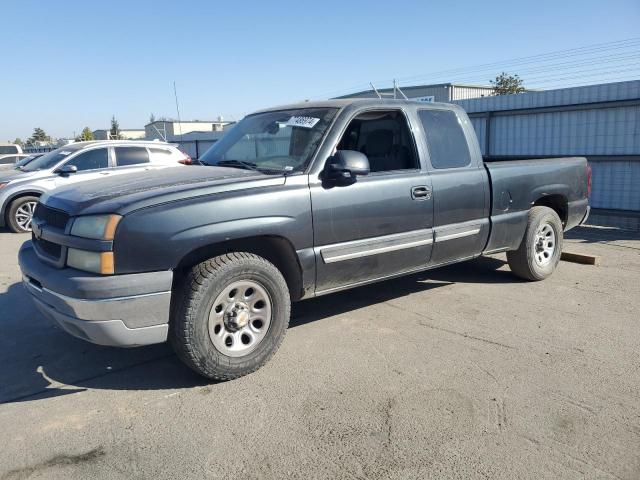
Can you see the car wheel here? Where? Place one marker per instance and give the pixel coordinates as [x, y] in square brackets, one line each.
[541, 247]
[20, 213]
[231, 315]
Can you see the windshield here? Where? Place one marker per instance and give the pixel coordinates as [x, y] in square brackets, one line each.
[24, 161]
[48, 160]
[272, 142]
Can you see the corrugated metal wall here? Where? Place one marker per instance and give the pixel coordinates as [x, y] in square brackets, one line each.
[552, 98]
[616, 184]
[601, 122]
[602, 131]
[462, 92]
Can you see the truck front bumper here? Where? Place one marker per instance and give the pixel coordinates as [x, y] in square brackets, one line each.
[118, 310]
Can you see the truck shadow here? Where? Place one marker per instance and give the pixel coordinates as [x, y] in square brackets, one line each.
[38, 360]
[595, 234]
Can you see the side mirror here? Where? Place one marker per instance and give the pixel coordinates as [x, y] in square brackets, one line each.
[346, 165]
[66, 170]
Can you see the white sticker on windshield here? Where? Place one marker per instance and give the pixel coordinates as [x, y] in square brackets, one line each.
[304, 122]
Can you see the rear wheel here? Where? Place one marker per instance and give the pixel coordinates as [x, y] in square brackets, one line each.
[541, 247]
[231, 315]
[20, 213]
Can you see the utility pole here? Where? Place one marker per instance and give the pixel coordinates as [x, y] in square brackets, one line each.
[175, 93]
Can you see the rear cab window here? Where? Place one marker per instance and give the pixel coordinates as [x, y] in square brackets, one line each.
[126, 156]
[446, 141]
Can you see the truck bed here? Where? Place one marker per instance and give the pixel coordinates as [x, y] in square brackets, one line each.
[516, 185]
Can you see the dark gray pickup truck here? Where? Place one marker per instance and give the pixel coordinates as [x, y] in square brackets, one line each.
[294, 202]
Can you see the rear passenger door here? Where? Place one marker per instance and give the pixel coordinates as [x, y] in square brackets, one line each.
[460, 184]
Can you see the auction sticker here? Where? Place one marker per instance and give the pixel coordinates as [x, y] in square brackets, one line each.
[304, 122]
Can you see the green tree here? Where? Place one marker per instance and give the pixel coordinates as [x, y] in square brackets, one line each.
[18, 141]
[506, 84]
[114, 133]
[152, 118]
[39, 135]
[85, 135]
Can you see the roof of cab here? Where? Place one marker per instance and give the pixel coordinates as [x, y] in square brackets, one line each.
[360, 102]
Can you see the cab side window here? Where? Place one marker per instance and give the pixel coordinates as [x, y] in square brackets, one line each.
[91, 160]
[131, 156]
[447, 143]
[384, 137]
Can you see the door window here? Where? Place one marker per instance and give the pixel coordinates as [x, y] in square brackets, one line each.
[446, 140]
[384, 137]
[131, 156]
[91, 160]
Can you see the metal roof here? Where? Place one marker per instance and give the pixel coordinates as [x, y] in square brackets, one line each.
[418, 87]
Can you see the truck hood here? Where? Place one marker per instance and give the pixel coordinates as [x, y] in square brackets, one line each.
[127, 192]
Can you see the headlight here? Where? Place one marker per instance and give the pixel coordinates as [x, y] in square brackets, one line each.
[96, 262]
[99, 227]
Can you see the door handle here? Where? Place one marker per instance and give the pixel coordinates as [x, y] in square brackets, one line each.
[421, 192]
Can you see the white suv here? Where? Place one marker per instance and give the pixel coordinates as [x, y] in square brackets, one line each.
[79, 162]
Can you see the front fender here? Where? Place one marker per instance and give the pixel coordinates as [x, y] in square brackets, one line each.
[157, 238]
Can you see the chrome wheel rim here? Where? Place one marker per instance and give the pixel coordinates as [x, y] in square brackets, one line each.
[24, 214]
[239, 318]
[544, 244]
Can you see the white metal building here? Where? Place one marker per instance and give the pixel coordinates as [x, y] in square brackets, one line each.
[125, 133]
[171, 130]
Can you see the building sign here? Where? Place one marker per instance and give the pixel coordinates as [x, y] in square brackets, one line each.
[427, 99]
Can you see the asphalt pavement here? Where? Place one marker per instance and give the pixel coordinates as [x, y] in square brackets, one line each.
[461, 372]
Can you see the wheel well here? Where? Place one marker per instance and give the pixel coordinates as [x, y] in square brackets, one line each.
[276, 250]
[556, 202]
[10, 200]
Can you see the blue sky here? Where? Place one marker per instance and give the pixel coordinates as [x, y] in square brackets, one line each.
[71, 64]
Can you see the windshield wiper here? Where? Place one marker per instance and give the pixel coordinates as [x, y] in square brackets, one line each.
[238, 164]
[249, 166]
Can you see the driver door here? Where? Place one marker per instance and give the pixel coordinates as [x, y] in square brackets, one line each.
[380, 225]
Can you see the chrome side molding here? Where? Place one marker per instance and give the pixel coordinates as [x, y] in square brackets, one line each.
[339, 252]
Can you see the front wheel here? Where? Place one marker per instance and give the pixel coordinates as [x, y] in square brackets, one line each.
[541, 247]
[231, 315]
[20, 213]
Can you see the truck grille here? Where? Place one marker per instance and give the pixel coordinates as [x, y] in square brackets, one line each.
[51, 216]
[53, 250]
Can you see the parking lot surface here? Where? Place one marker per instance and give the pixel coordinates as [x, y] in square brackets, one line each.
[461, 372]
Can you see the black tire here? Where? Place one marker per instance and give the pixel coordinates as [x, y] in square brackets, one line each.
[523, 261]
[11, 220]
[190, 323]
